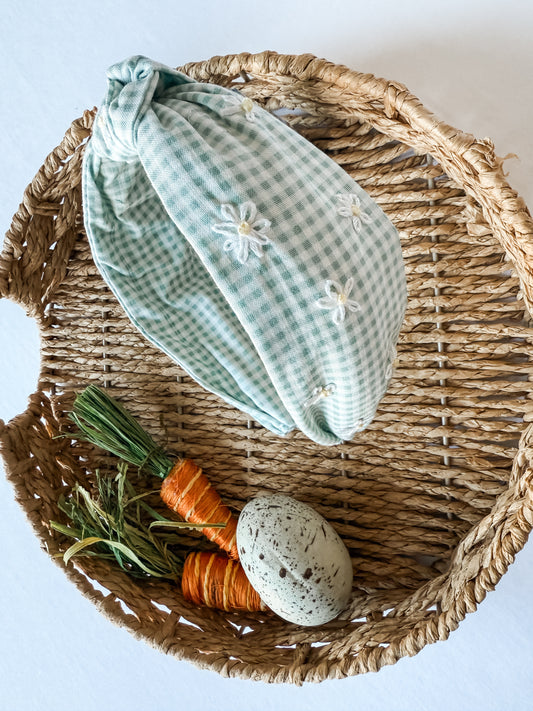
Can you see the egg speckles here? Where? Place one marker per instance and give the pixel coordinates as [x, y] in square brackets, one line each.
[294, 559]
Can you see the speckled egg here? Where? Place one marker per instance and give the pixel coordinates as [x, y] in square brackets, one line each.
[294, 559]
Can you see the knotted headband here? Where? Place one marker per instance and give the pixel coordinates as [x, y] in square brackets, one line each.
[243, 252]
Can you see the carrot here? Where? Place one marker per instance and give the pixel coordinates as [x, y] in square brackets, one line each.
[220, 582]
[186, 490]
[114, 526]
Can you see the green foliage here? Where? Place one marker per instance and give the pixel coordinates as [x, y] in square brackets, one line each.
[103, 421]
[117, 524]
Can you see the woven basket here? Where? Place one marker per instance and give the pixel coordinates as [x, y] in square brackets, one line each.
[433, 500]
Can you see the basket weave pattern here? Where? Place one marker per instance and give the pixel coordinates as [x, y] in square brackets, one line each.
[433, 500]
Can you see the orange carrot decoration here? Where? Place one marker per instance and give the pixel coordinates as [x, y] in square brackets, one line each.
[185, 489]
[217, 581]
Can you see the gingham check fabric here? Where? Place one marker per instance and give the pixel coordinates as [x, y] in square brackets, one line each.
[243, 252]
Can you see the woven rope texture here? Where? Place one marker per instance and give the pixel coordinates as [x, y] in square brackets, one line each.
[433, 500]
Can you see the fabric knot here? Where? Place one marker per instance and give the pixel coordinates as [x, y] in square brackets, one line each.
[132, 86]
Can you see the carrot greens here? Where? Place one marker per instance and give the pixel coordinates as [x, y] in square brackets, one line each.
[116, 524]
[103, 421]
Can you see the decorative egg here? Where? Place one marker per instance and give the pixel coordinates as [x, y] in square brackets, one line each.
[294, 559]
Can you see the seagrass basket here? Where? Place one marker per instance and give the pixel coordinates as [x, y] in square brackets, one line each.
[433, 500]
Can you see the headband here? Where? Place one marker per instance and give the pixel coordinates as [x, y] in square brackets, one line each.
[242, 251]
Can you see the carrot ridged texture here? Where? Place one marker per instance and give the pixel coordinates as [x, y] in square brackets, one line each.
[187, 491]
[217, 581]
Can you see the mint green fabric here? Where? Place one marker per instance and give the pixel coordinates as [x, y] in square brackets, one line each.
[243, 252]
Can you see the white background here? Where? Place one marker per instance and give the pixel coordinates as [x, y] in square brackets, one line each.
[471, 62]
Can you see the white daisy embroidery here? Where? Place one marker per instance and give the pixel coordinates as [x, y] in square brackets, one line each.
[239, 105]
[337, 300]
[319, 392]
[350, 206]
[245, 230]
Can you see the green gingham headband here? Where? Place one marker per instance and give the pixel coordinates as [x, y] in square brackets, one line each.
[243, 252]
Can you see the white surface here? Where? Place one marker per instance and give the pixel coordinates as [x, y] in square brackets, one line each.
[472, 64]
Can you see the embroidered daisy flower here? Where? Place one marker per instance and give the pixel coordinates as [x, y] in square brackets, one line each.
[244, 230]
[337, 300]
[239, 105]
[350, 206]
[319, 392]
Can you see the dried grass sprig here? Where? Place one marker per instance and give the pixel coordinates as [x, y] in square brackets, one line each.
[117, 524]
